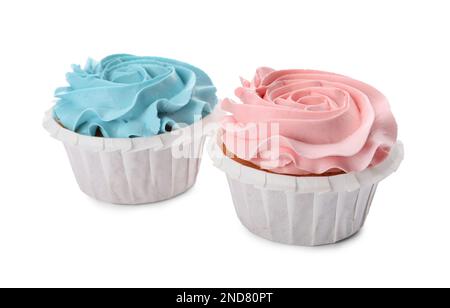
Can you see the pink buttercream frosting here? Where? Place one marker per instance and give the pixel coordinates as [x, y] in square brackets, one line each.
[301, 122]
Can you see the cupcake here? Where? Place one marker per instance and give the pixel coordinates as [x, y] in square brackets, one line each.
[304, 152]
[132, 126]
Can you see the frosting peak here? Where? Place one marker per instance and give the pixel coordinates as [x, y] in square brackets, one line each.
[128, 96]
[324, 122]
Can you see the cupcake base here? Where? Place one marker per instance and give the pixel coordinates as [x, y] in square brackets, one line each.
[132, 171]
[305, 211]
[311, 219]
[133, 178]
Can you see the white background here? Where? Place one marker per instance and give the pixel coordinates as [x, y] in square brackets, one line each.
[51, 234]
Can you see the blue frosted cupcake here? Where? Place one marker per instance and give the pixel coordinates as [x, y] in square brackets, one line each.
[132, 126]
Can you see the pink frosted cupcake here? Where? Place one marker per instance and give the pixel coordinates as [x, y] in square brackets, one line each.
[306, 151]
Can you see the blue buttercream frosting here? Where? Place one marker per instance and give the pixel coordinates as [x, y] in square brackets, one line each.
[126, 96]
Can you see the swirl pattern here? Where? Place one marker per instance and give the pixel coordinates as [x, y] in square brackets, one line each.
[126, 96]
[325, 123]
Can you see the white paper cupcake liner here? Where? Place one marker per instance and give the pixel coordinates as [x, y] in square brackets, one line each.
[305, 211]
[132, 171]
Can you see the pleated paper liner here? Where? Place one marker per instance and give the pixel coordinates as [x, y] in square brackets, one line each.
[134, 170]
[303, 210]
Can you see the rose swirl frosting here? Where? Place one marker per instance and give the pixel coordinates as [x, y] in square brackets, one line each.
[325, 122]
[127, 96]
